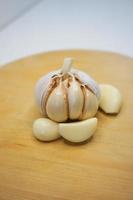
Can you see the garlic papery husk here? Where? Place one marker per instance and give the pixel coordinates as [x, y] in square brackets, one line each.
[42, 86]
[60, 94]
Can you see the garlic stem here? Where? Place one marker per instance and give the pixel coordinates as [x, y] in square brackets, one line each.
[67, 65]
[73, 78]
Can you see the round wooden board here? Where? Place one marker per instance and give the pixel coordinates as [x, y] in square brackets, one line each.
[100, 169]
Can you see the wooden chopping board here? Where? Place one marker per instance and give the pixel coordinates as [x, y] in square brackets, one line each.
[100, 169]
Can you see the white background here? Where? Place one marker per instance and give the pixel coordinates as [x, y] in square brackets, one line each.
[12, 9]
[69, 24]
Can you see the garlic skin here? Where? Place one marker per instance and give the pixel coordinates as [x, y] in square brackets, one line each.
[67, 94]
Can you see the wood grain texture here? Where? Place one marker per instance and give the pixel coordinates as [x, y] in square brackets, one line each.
[100, 169]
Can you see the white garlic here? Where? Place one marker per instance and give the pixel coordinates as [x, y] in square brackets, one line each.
[67, 94]
[111, 99]
[56, 106]
[75, 99]
[45, 129]
[78, 131]
[90, 105]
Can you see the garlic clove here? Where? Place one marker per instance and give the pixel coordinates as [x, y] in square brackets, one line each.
[78, 131]
[88, 81]
[56, 106]
[45, 129]
[42, 85]
[90, 105]
[75, 99]
[111, 99]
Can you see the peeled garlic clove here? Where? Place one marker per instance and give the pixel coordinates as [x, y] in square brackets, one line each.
[90, 105]
[45, 129]
[111, 100]
[56, 106]
[75, 99]
[78, 131]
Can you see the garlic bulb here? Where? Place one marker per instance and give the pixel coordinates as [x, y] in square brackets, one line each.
[67, 94]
